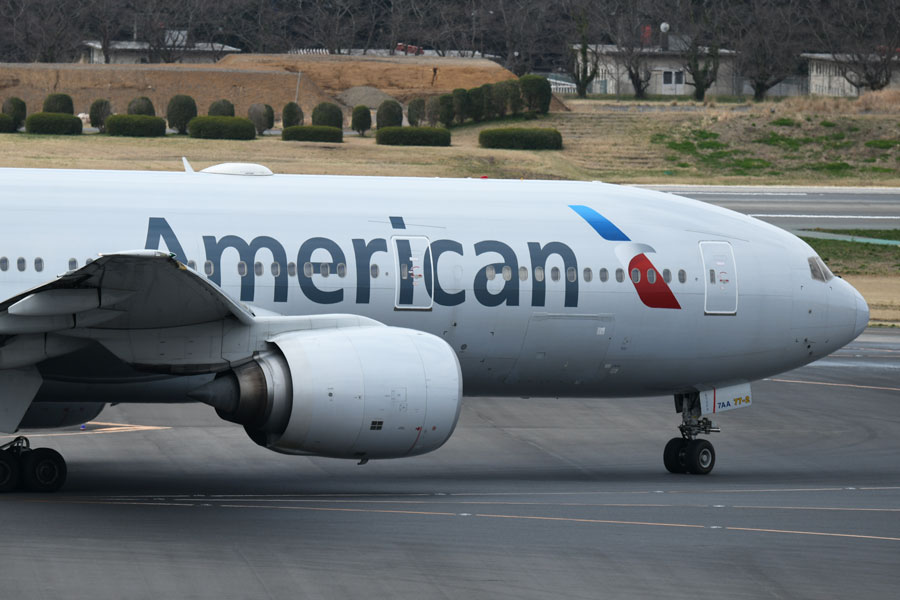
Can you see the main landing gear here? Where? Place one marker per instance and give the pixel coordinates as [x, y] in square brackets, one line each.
[689, 454]
[34, 470]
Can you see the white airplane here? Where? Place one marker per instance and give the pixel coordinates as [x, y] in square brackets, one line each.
[347, 316]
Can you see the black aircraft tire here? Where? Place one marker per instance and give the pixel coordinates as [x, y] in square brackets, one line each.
[9, 471]
[43, 470]
[674, 455]
[701, 457]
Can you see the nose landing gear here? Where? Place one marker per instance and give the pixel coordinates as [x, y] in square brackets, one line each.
[689, 454]
[34, 470]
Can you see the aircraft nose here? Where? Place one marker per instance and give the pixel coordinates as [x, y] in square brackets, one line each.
[862, 314]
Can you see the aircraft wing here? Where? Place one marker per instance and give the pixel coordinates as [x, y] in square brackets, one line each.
[141, 289]
[146, 308]
[149, 310]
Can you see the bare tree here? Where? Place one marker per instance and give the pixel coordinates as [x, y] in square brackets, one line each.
[520, 31]
[170, 27]
[257, 25]
[626, 24]
[331, 24]
[107, 21]
[766, 37]
[40, 30]
[700, 27]
[580, 41]
[863, 38]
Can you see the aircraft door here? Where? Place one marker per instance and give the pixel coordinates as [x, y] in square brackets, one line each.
[414, 273]
[721, 278]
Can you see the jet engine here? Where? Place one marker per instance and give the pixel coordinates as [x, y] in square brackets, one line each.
[353, 392]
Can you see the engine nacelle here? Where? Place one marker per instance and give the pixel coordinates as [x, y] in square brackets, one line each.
[354, 392]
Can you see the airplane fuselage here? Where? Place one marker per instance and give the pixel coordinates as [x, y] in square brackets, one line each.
[541, 288]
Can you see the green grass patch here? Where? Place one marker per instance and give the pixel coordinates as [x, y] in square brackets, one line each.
[831, 168]
[876, 170]
[828, 124]
[716, 159]
[783, 141]
[703, 134]
[785, 122]
[855, 258]
[686, 147]
[882, 144]
[659, 138]
[711, 145]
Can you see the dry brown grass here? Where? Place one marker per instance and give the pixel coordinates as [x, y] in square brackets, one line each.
[882, 101]
[883, 295]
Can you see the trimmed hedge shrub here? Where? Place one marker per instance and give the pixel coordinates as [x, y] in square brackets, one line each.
[259, 117]
[136, 126]
[6, 124]
[361, 121]
[536, 92]
[413, 136]
[53, 123]
[59, 103]
[446, 111]
[460, 105]
[142, 105]
[221, 108]
[509, 97]
[487, 101]
[500, 99]
[518, 138]
[390, 114]
[100, 111]
[312, 133]
[328, 114]
[15, 108]
[415, 112]
[221, 128]
[180, 111]
[476, 104]
[433, 110]
[291, 115]
[270, 116]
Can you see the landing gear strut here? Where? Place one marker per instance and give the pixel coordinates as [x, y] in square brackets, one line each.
[34, 470]
[689, 454]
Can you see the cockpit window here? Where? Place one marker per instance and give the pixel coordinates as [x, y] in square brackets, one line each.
[818, 270]
[828, 274]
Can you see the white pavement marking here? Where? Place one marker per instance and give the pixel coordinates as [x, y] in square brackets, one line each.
[786, 216]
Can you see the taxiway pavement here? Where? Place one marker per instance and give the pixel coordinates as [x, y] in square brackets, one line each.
[796, 208]
[536, 498]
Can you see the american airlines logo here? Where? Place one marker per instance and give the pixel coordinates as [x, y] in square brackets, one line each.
[652, 290]
[650, 285]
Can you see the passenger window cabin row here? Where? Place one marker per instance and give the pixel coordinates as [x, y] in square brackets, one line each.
[324, 269]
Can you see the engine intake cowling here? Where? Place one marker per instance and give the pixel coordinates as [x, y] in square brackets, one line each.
[355, 392]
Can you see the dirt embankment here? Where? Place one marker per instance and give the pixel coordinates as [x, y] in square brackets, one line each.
[403, 77]
[121, 83]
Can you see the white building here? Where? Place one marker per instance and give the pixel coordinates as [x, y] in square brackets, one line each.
[667, 74]
[826, 77]
[133, 52]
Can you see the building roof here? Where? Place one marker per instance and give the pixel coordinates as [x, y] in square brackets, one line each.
[133, 46]
[649, 50]
[829, 57]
